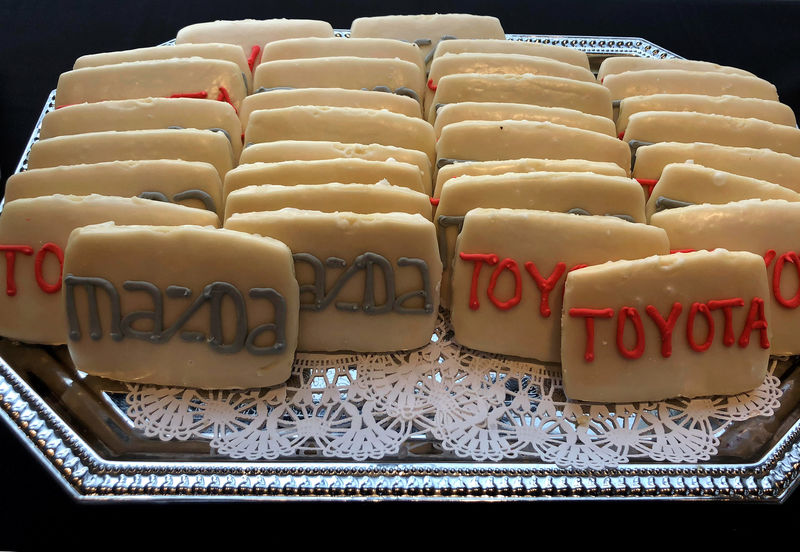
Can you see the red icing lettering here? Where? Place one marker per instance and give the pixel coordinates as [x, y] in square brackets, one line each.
[545, 285]
[665, 327]
[198, 95]
[728, 337]
[633, 314]
[11, 255]
[673, 251]
[511, 265]
[431, 85]
[792, 258]
[64, 105]
[693, 310]
[769, 256]
[37, 267]
[648, 184]
[478, 259]
[755, 321]
[251, 60]
[589, 315]
[434, 201]
[223, 96]
[621, 135]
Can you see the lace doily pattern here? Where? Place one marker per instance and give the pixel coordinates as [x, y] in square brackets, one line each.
[445, 402]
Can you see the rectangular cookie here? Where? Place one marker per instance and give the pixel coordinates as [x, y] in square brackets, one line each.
[309, 150]
[189, 183]
[621, 64]
[349, 72]
[331, 97]
[542, 90]
[498, 140]
[494, 111]
[502, 46]
[134, 145]
[689, 324]
[768, 229]
[33, 238]
[680, 81]
[665, 126]
[477, 168]
[733, 106]
[145, 114]
[341, 124]
[683, 184]
[507, 287]
[227, 52]
[252, 34]
[212, 79]
[764, 164]
[380, 197]
[324, 171]
[368, 282]
[137, 314]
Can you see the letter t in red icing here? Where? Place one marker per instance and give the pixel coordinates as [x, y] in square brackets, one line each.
[478, 259]
[11, 255]
[590, 315]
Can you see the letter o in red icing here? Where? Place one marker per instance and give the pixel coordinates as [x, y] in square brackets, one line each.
[622, 317]
[511, 265]
[703, 308]
[791, 257]
[49, 247]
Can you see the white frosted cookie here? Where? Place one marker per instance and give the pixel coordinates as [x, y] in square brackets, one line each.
[380, 197]
[325, 171]
[341, 124]
[679, 81]
[355, 73]
[494, 111]
[227, 52]
[767, 228]
[499, 64]
[622, 64]
[541, 90]
[686, 325]
[298, 48]
[489, 140]
[143, 114]
[131, 145]
[211, 79]
[331, 97]
[368, 282]
[683, 184]
[507, 287]
[309, 150]
[733, 106]
[135, 313]
[252, 34]
[477, 168]
[763, 164]
[33, 238]
[189, 183]
[502, 46]
[665, 126]
[427, 30]
[577, 192]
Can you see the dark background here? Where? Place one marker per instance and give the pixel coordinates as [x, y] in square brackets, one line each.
[39, 40]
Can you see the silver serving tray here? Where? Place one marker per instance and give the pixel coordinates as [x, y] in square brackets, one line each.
[77, 426]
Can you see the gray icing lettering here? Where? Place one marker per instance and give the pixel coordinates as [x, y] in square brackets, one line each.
[156, 315]
[425, 292]
[213, 294]
[400, 91]
[615, 103]
[204, 197]
[446, 221]
[579, 211]
[444, 161]
[367, 262]
[438, 106]
[223, 131]
[430, 55]
[95, 329]
[244, 78]
[278, 327]
[423, 42]
[265, 89]
[664, 203]
[635, 145]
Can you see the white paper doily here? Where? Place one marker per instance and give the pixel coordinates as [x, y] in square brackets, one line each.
[464, 404]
